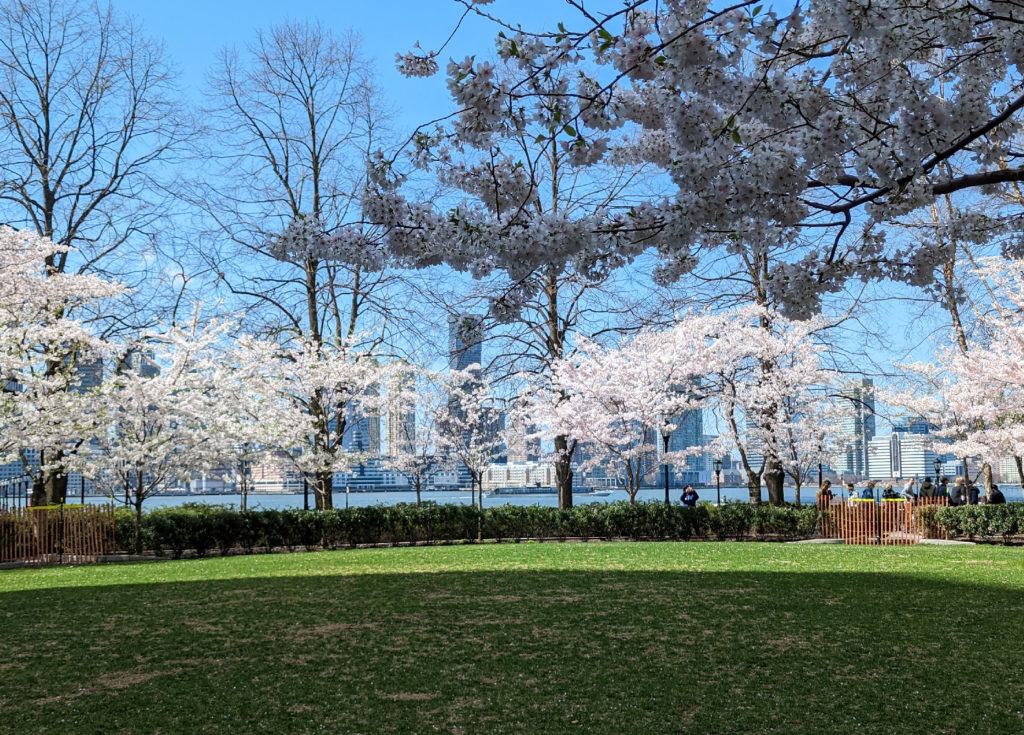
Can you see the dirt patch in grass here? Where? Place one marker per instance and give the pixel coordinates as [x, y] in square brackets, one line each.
[329, 629]
[409, 696]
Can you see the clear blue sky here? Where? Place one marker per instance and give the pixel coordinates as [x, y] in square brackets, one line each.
[195, 30]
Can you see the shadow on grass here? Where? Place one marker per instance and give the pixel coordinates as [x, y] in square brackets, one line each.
[513, 652]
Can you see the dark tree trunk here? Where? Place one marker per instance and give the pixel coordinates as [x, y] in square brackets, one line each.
[563, 472]
[138, 513]
[419, 483]
[774, 480]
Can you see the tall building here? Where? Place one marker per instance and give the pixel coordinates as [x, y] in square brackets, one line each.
[400, 422]
[465, 341]
[857, 428]
[401, 431]
[362, 433]
[689, 433]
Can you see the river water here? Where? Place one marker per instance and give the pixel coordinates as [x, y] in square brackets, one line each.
[342, 499]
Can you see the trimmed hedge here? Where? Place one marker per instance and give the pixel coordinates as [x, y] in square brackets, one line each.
[983, 521]
[203, 529]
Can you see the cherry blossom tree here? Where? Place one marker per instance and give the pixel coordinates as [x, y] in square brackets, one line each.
[42, 348]
[471, 423]
[615, 400]
[758, 372]
[800, 131]
[975, 396]
[154, 420]
[311, 398]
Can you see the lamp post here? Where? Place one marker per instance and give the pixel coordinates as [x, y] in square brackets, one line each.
[937, 464]
[718, 480]
[820, 450]
[665, 434]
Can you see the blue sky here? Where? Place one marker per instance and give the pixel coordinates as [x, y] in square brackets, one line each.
[195, 30]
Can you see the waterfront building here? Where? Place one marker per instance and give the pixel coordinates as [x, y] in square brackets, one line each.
[900, 456]
[857, 429]
[275, 472]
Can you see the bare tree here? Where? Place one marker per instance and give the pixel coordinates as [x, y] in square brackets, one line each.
[294, 121]
[87, 122]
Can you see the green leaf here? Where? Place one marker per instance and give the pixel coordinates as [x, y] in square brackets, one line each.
[570, 130]
[736, 137]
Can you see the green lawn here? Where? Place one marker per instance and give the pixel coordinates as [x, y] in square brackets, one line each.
[532, 638]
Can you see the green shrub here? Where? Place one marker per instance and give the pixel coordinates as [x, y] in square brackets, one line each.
[203, 528]
[982, 521]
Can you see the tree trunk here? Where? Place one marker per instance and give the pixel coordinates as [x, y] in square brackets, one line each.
[754, 487]
[418, 482]
[323, 489]
[774, 480]
[479, 480]
[796, 484]
[245, 487]
[986, 473]
[138, 514]
[1019, 461]
[49, 488]
[563, 472]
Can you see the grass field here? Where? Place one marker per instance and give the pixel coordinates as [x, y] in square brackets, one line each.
[532, 638]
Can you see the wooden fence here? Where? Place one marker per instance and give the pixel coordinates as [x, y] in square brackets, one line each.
[56, 534]
[887, 522]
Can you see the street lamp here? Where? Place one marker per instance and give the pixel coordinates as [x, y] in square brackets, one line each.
[665, 434]
[938, 469]
[718, 479]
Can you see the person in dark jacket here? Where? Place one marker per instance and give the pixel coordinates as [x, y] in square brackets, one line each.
[972, 494]
[927, 488]
[996, 497]
[690, 496]
[942, 489]
[958, 493]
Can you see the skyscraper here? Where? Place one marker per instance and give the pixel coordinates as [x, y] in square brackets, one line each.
[689, 433]
[400, 423]
[465, 338]
[401, 430]
[857, 428]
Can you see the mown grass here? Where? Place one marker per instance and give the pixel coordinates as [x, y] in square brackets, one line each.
[532, 638]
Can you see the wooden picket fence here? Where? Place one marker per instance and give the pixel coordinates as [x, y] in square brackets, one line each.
[888, 522]
[56, 534]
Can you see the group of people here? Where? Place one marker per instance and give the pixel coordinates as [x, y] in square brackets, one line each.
[962, 492]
